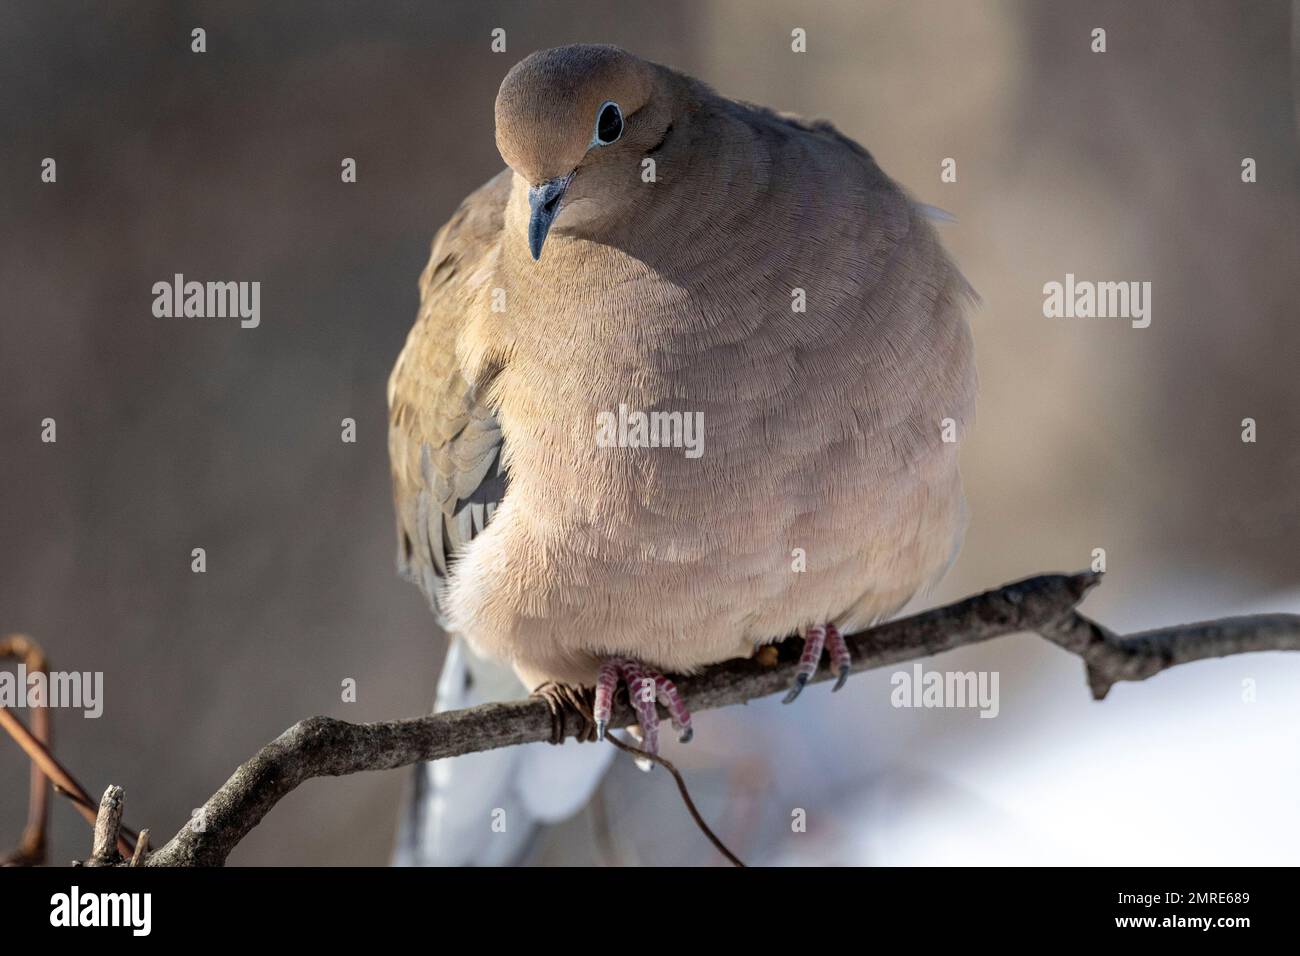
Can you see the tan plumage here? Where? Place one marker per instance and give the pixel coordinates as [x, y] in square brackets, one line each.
[822, 429]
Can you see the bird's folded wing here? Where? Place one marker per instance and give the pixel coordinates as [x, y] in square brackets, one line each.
[444, 443]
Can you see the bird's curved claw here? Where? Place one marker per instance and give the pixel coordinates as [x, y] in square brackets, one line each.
[646, 687]
[800, 682]
[821, 637]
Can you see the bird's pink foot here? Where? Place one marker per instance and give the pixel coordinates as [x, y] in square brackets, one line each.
[821, 637]
[645, 687]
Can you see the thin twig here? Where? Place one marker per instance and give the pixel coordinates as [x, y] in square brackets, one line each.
[33, 846]
[63, 782]
[686, 795]
[141, 848]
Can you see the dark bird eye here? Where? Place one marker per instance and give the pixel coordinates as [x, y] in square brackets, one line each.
[609, 124]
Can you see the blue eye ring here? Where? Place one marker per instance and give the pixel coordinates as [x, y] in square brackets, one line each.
[609, 124]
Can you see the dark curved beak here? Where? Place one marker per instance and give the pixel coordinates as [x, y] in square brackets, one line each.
[544, 200]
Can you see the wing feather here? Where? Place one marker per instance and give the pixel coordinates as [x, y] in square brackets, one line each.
[444, 443]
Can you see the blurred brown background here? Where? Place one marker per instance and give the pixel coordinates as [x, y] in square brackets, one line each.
[183, 433]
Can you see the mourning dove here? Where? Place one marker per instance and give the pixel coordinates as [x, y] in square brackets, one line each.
[687, 377]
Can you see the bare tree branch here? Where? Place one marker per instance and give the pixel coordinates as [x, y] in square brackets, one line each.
[1111, 658]
[323, 746]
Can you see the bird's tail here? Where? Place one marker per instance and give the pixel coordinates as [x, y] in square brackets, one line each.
[483, 809]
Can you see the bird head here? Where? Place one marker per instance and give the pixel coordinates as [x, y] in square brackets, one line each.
[573, 123]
